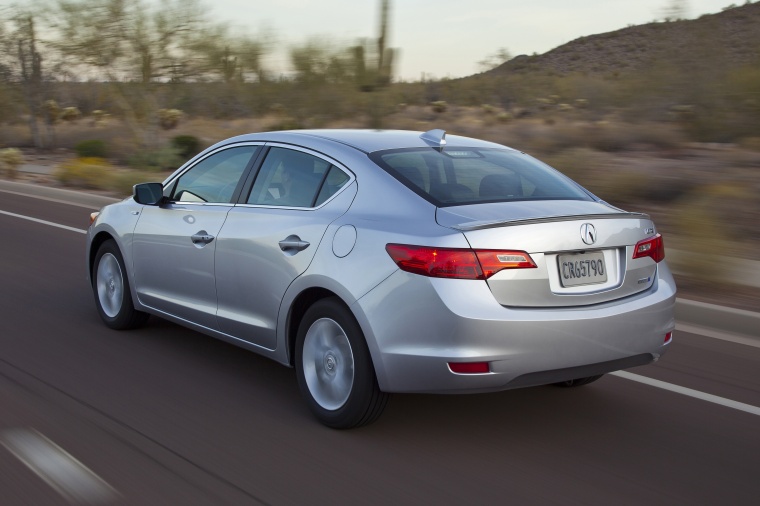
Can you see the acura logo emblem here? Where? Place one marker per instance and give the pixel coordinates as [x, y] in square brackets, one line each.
[588, 233]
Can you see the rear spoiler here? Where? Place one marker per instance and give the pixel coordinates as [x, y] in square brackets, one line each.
[479, 225]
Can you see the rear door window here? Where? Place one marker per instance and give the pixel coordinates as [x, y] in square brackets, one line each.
[291, 178]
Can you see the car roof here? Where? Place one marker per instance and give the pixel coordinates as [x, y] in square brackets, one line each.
[367, 141]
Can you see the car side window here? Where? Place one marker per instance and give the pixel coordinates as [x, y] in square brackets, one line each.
[334, 181]
[292, 178]
[214, 179]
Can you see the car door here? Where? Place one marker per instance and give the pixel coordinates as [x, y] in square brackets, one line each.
[174, 243]
[271, 237]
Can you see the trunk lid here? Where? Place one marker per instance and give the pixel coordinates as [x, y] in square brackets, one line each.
[583, 250]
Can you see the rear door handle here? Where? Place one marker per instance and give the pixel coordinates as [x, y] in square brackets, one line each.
[201, 237]
[293, 244]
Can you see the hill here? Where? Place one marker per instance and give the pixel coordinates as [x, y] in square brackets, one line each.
[729, 38]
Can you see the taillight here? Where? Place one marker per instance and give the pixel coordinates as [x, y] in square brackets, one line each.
[652, 247]
[493, 261]
[456, 263]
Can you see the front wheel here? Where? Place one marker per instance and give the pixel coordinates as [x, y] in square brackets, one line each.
[110, 285]
[334, 368]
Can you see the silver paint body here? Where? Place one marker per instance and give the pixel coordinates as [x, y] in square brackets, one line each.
[241, 287]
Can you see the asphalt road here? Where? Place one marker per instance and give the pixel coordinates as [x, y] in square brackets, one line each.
[164, 415]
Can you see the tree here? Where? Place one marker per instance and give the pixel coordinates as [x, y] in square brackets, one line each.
[675, 10]
[501, 56]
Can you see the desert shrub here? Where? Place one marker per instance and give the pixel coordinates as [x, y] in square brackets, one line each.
[286, 124]
[88, 172]
[121, 182]
[751, 143]
[610, 138]
[70, 114]
[622, 187]
[155, 160]
[576, 163]
[169, 118]
[50, 111]
[187, 146]
[439, 106]
[613, 137]
[552, 138]
[10, 159]
[99, 116]
[92, 148]
[702, 239]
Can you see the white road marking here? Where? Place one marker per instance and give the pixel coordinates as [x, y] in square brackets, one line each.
[49, 223]
[748, 408]
[57, 201]
[56, 467]
[716, 334]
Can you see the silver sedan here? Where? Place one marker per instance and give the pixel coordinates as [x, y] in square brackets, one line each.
[388, 261]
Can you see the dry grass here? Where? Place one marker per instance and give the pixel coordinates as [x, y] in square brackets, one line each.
[638, 166]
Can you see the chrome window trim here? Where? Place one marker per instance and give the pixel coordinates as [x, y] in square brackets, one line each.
[199, 204]
[317, 154]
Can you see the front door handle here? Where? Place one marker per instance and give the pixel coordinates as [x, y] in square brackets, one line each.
[293, 244]
[201, 237]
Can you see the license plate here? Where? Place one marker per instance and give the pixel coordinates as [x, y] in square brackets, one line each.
[582, 269]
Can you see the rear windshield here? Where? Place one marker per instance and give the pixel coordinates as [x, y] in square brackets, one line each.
[459, 176]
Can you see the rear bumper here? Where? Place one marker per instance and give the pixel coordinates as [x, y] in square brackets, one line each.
[416, 325]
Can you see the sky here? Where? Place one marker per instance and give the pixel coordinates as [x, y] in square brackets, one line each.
[446, 38]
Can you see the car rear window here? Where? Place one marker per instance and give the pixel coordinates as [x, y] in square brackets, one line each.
[460, 176]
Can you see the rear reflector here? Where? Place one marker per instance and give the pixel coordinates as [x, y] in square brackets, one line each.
[469, 367]
[652, 247]
[456, 263]
[668, 337]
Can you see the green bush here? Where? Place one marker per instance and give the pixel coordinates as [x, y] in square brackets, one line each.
[187, 146]
[10, 159]
[84, 173]
[121, 182]
[439, 106]
[91, 149]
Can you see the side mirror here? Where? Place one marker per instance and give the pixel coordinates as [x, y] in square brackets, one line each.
[149, 194]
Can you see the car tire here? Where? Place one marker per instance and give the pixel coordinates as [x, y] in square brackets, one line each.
[110, 285]
[334, 367]
[578, 382]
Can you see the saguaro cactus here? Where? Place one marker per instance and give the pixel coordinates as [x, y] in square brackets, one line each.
[373, 66]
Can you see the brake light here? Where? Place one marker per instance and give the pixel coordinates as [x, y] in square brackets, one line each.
[653, 247]
[456, 263]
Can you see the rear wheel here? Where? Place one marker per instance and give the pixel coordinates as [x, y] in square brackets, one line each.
[334, 368]
[110, 285]
[578, 382]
